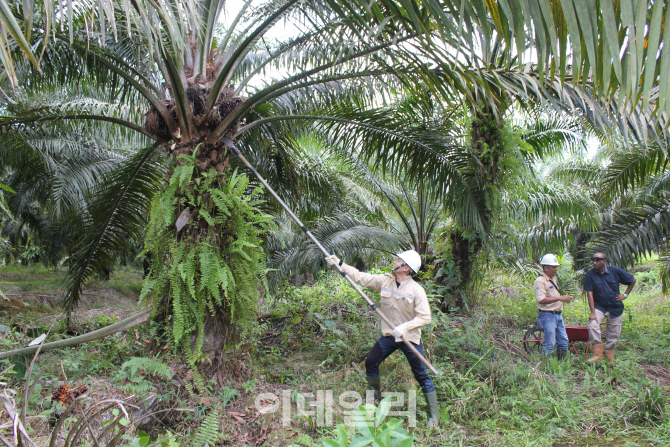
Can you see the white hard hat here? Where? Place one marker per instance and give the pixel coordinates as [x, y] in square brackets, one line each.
[549, 259]
[412, 259]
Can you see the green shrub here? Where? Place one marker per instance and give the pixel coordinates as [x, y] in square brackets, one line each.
[372, 429]
[649, 402]
[137, 370]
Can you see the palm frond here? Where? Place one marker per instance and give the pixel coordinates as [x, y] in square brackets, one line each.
[304, 177]
[576, 171]
[346, 235]
[59, 169]
[553, 134]
[118, 213]
[624, 53]
[384, 137]
[552, 235]
[654, 184]
[635, 231]
[71, 103]
[631, 168]
[537, 200]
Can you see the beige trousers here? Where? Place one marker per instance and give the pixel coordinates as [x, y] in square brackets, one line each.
[613, 330]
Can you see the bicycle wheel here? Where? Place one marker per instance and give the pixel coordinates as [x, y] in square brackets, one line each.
[532, 340]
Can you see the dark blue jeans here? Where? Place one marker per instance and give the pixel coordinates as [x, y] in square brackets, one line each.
[554, 332]
[386, 346]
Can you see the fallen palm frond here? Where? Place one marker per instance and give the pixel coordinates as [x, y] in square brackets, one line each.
[100, 333]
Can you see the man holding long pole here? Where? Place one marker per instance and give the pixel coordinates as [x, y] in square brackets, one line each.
[416, 261]
[405, 305]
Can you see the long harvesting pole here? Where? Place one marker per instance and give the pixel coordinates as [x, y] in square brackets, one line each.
[228, 142]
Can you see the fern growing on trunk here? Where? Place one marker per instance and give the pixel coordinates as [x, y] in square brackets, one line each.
[206, 276]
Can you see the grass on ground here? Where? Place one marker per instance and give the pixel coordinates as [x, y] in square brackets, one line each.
[314, 339]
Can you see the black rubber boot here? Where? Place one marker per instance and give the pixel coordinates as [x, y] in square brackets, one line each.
[374, 384]
[433, 409]
[561, 355]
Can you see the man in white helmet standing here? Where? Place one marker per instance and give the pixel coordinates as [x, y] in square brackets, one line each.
[550, 305]
[405, 304]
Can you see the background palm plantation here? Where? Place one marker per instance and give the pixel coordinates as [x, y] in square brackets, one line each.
[165, 82]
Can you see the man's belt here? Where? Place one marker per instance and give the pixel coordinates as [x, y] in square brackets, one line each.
[557, 312]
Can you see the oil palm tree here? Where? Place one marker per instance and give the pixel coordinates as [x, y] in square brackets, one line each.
[52, 172]
[167, 73]
[470, 171]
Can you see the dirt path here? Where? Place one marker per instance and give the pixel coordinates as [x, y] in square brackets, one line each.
[94, 302]
[97, 302]
[657, 373]
[119, 313]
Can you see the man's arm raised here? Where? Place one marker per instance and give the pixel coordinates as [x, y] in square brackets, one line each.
[373, 282]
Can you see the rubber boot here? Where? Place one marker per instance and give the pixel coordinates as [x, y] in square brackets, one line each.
[610, 356]
[597, 353]
[561, 354]
[433, 409]
[374, 384]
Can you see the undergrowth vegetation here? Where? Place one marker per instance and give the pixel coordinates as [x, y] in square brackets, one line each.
[491, 391]
[313, 339]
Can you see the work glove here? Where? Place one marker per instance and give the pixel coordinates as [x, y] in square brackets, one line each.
[333, 260]
[398, 332]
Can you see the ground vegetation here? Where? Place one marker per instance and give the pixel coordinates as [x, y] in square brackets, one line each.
[313, 338]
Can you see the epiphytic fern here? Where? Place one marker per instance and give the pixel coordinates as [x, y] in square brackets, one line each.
[211, 267]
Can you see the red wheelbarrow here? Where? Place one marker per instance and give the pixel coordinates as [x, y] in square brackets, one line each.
[533, 338]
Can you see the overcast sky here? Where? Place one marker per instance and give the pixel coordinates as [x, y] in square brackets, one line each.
[279, 31]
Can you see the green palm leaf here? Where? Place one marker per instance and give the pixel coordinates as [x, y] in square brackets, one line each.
[635, 232]
[117, 214]
[346, 235]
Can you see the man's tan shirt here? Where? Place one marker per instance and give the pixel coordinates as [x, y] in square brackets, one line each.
[543, 288]
[405, 306]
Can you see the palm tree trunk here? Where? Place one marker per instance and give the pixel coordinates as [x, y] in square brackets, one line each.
[464, 252]
[489, 148]
[580, 254]
[207, 259]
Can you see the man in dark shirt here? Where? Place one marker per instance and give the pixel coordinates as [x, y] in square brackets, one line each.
[601, 285]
